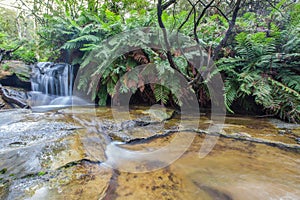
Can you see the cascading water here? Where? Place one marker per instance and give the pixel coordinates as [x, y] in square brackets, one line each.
[52, 79]
[52, 87]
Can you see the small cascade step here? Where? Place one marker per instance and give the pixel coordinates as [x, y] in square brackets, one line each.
[52, 78]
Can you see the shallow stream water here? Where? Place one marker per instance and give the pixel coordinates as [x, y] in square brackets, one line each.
[94, 153]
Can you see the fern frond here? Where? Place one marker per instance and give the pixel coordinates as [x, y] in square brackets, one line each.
[161, 93]
[285, 88]
[85, 38]
[231, 91]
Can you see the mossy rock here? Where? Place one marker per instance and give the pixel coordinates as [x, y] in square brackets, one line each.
[159, 113]
[8, 68]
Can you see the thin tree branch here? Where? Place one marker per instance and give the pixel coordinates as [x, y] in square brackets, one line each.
[167, 4]
[189, 15]
[193, 10]
[221, 12]
[273, 6]
[162, 26]
[160, 9]
[32, 12]
[196, 24]
[229, 30]
[199, 19]
[174, 18]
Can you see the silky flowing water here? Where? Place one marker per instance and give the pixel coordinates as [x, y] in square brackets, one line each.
[67, 154]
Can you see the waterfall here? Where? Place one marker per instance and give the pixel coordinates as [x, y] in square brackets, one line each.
[52, 87]
[52, 78]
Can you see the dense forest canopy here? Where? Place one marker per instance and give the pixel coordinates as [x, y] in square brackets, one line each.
[255, 45]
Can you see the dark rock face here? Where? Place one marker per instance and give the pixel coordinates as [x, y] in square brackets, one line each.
[14, 81]
[17, 74]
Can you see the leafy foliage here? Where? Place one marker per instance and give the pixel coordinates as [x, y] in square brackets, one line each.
[260, 63]
[15, 37]
[265, 67]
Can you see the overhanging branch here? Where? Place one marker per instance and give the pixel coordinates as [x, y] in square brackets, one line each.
[167, 4]
[160, 9]
[229, 30]
[199, 19]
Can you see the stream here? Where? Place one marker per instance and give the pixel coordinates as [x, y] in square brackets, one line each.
[88, 153]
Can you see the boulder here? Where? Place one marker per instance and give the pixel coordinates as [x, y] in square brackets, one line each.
[15, 74]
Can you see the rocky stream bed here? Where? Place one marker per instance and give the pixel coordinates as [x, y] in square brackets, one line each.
[70, 154]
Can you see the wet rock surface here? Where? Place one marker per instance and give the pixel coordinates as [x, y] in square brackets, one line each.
[65, 154]
[124, 126]
[17, 74]
[268, 129]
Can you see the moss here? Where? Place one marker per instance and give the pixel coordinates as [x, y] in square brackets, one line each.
[41, 173]
[23, 76]
[16, 67]
[3, 171]
[5, 67]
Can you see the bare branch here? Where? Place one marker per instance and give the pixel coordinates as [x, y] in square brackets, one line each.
[189, 15]
[229, 30]
[221, 12]
[33, 12]
[199, 19]
[167, 4]
[168, 48]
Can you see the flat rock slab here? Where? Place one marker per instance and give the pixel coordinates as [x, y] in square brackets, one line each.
[45, 155]
[64, 154]
[81, 181]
